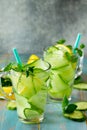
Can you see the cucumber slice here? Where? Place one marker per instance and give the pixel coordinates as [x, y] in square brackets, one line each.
[25, 87]
[56, 58]
[76, 116]
[58, 87]
[57, 82]
[80, 86]
[37, 84]
[22, 103]
[11, 105]
[30, 113]
[39, 99]
[67, 73]
[81, 105]
[41, 74]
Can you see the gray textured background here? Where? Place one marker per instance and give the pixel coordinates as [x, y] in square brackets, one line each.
[32, 25]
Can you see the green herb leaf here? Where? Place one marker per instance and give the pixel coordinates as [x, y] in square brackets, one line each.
[69, 46]
[70, 108]
[8, 67]
[5, 81]
[66, 107]
[68, 56]
[62, 41]
[79, 79]
[82, 46]
[72, 58]
[65, 103]
[79, 51]
[25, 68]
[29, 71]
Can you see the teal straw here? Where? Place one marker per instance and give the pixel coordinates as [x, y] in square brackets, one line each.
[77, 42]
[17, 56]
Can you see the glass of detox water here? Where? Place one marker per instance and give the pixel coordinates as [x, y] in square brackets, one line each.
[5, 84]
[62, 74]
[30, 89]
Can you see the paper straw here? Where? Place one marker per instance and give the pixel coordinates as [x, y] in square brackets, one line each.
[77, 42]
[17, 56]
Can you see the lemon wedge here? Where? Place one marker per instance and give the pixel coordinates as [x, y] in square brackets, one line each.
[63, 48]
[9, 93]
[32, 58]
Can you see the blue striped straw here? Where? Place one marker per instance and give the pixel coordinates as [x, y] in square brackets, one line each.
[77, 42]
[17, 56]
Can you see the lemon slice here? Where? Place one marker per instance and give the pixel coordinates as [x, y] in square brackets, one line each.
[9, 93]
[63, 48]
[7, 89]
[32, 58]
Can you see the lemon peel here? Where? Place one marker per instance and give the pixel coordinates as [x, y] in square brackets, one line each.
[32, 58]
[63, 47]
[9, 93]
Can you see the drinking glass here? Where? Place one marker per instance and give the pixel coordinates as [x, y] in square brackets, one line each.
[5, 90]
[62, 73]
[31, 92]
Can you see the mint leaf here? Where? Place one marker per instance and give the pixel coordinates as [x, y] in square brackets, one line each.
[67, 107]
[79, 51]
[24, 68]
[70, 108]
[68, 56]
[29, 71]
[82, 46]
[72, 58]
[79, 79]
[5, 81]
[62, 41]
[65, 103]
[8, 67]
[69, 46]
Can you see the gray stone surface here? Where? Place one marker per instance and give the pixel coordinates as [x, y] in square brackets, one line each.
[32, 25]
